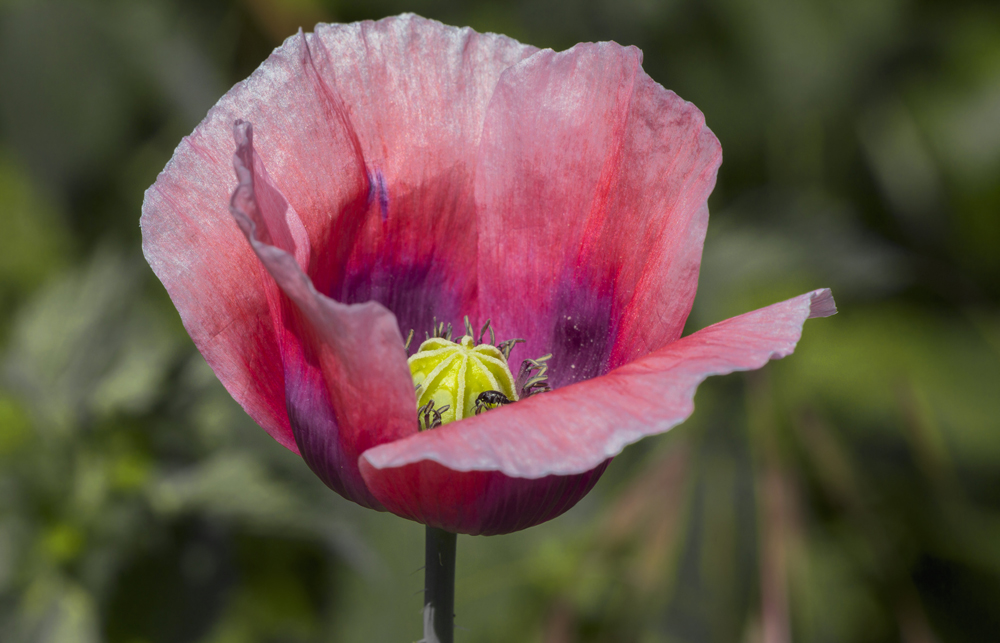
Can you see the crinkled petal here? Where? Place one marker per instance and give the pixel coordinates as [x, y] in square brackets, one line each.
[591, 191]
[348, 387]
[416, 93]
[575, 429]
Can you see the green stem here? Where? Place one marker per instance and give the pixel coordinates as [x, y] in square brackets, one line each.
[439, 586]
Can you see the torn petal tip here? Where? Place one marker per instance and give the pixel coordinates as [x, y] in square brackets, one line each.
[822, 304]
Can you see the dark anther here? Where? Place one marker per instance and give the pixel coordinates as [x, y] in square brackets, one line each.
[429, 417]
[490, 400]
[440, 330]
[482, 333]
[507, 346]
[531, 379]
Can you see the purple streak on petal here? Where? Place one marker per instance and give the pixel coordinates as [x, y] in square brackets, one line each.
[383, 195]
[377, 191]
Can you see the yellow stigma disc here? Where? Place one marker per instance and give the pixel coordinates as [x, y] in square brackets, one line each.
[454, 374]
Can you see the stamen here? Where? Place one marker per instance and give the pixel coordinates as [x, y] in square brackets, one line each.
[442, 331]
[482, 333]
[507, 346]
[409, 338]
[429, 417]
[528, 381]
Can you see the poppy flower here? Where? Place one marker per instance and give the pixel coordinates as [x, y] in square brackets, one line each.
[398, 174]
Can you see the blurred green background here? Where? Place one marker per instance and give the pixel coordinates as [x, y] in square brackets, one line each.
[850, 493]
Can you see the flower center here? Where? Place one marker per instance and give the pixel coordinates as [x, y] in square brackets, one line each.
[455, 380]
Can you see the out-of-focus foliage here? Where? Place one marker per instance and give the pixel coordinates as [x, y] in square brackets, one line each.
[850, 493]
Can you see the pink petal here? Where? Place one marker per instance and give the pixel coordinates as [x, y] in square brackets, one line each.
[348, 387]
[592, 186]
[366, 130]
[195, 248]
[577, 428]
[368, 185]
[416, 93]
[197, 251]
[479, 503]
